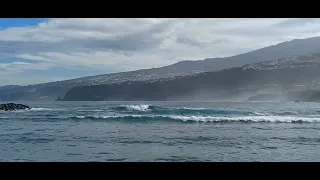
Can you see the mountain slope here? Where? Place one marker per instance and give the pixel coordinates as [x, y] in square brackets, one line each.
[281, 50]
[8, 87]
[50, 91]
[287, 74]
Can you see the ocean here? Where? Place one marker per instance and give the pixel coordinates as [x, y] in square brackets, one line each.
[161, 131]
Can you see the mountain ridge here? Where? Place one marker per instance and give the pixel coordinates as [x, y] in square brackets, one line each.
[50, 91]
[278, 76]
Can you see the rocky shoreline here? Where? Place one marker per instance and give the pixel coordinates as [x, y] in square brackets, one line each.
[13, 107]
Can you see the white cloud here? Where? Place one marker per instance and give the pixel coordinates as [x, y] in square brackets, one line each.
[22, 66]
[12, 73]
[129, 44]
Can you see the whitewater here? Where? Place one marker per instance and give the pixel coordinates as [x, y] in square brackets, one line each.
[161, 131]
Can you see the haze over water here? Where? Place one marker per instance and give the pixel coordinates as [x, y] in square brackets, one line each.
[161, 131]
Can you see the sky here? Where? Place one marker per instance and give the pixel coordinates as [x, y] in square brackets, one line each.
[44, 50]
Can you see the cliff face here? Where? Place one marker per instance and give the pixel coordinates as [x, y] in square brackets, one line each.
[33, 93]
[221, 85]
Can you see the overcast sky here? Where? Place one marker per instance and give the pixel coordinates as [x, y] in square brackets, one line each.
[42, 50]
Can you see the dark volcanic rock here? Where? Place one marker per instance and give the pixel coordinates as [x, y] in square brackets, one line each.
[13, 107]
[59, 99]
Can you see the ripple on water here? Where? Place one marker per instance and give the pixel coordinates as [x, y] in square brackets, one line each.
[138, 142]
[103, 153]
[116, 160]
[178, 158]
[74, 154]
[35, 140]
[299, 140]
[72, 145]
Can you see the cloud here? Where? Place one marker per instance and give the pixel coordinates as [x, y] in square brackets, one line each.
[297, 22]
[12, 73]
[130, 44]
[22, 66]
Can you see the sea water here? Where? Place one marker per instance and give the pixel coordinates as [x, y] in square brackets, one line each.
[161, 131]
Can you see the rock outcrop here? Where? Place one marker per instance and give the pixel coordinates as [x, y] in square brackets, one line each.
[13, 107]
[59, 99]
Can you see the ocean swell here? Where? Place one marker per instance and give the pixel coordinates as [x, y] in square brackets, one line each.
[181, 111]
[205, 119]
[142, 107]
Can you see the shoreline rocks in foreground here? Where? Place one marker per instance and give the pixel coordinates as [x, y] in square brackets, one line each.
[13, 107]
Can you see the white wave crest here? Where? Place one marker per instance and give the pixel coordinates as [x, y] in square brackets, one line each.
[188, 108]
[93, 110]
[41, 109]
[272, 119]
[259, 114]
[121, 116]
[257, 119]
[32, 109]
[106, 117]
[142, 107]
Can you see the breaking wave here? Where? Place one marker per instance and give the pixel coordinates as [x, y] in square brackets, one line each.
[150, 109]
[257, 119]
[148, 113]
[32, 109]
[88, 110]
[205, 119]
[207, 111]
[142, 107]
[182, 110]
